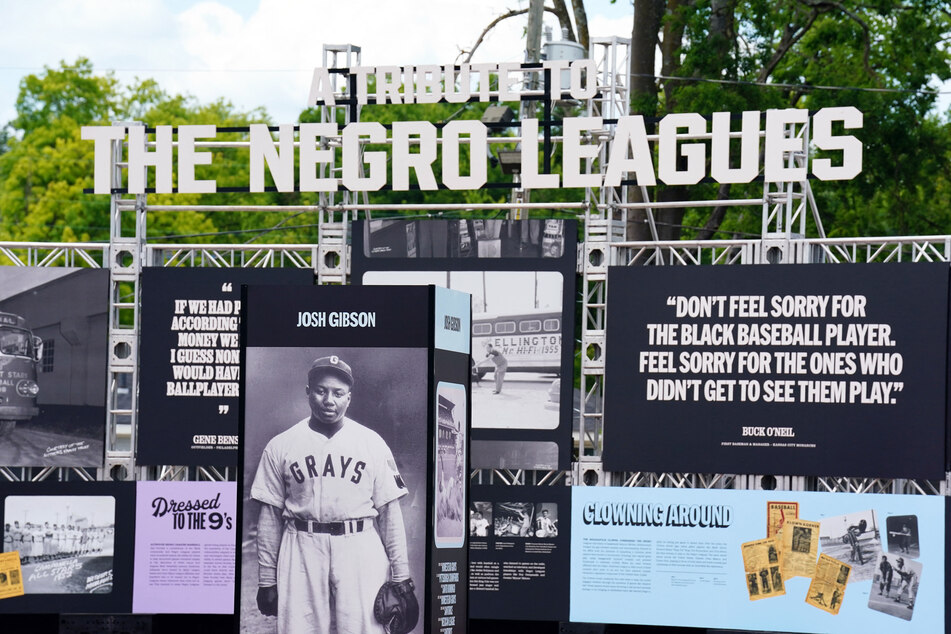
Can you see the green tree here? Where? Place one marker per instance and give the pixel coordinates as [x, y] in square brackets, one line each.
[45, 165]
[799, 46]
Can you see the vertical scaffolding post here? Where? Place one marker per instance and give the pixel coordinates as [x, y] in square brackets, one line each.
[604, 223]
[612, 58]
[786, 205]
[124, 257]
[333, 262]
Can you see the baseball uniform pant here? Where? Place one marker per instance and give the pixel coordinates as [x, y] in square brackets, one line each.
[319, 573]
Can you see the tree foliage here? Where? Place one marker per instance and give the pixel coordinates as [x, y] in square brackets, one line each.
[45, 165]
[884, 57]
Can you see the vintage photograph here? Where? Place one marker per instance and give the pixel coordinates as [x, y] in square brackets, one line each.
[334, 482]
[903, 535]
[65, 542]
[761, 566]
[11, 577]
[895, 586]
[53, 344]
[480, 519]
[854, 539]
[498, 238]
[450, 465]
[516, 342]
[776, 515]
[828, 584]
[800, 546]
[546, 520]
[514, 519]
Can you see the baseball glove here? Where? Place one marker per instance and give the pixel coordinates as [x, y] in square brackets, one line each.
[396, 606]
[267, 600]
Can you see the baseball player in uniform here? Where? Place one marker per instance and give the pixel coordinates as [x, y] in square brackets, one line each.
[501, 365]
[478, 525]
[544, 526]
[330, 532]
[18, 539]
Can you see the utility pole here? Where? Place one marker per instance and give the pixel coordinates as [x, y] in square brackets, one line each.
[533, 36]
[533, 53]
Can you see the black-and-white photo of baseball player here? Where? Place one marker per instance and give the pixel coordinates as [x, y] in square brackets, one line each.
[517, 349]
[855, 539]
[335, 473]
[546, 520]
[480, 519]
[903, 535]
[899, 578]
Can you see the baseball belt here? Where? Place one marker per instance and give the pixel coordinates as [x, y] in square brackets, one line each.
[345, 527]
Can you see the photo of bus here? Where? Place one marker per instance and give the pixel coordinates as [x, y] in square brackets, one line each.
[530, 340]
[20, 352]
[517, 342]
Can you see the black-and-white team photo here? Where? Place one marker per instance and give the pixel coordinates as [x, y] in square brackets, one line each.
[450, 465]
[65, 542]
[854, 539]
[335, 480]
[53, 343]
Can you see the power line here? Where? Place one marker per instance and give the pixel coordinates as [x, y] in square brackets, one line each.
[160, 70]
[740, 82]
[734, 82]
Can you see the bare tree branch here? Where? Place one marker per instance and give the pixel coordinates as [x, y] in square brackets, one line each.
[791, 35]
[561, 10]
[868, 40]
[492, 25]
[581, 21]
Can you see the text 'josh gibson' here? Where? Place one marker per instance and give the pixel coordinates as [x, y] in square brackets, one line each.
[334, 319]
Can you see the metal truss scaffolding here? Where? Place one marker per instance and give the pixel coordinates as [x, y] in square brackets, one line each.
[787, 208]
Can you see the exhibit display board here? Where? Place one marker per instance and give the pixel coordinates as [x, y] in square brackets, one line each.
[519, 540]
[53, 359]
[798, 370]
[521, 275]
[184, 547]
[189, 361]
[758, 560]
[355, 408]
[74, 541]
[118, 547]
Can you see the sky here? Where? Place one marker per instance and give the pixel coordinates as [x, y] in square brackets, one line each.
[259, 52]
[504, 292]
[98, 510]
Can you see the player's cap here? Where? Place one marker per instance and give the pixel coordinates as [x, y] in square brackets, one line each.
[333, 365]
